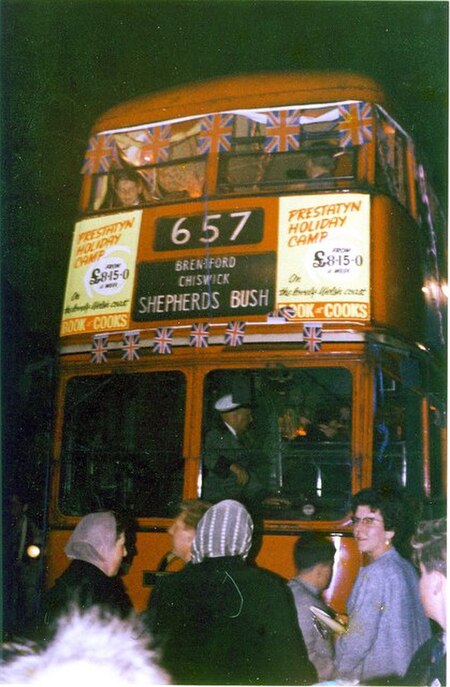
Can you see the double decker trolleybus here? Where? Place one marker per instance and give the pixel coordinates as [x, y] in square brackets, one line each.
[273, 238]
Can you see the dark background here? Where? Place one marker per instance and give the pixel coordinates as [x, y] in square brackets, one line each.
[64, 62]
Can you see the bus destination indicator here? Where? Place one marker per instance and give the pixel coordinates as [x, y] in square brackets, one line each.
[216, 229]
[215, 286]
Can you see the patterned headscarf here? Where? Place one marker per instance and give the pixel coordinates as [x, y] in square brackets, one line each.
[225, 530]
[94, 539]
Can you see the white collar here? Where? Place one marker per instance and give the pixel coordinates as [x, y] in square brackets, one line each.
[232, 430]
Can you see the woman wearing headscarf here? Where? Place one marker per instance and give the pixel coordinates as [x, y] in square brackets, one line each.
[222, 621]
[96, 549]
[387, 623]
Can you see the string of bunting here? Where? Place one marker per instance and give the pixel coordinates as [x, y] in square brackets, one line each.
[312, 337]
[198, 338]
[131, 343]
[99, 348]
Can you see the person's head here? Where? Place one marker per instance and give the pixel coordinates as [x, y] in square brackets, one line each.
[377, 515]
[319, 164]
[430, 553]
[99, 539]
[236, 414]
[314, 557]
[183, 527]
[328, 423]
[128, 187]
[89, 648]
[226, 529]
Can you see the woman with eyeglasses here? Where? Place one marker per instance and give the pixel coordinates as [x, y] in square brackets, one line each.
[386, 621]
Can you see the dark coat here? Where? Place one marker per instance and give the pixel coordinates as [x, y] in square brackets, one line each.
[83, 585]
[428, 665]
[223, 622]
[222, 449]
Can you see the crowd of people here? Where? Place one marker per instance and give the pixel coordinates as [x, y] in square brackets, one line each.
[223, 620]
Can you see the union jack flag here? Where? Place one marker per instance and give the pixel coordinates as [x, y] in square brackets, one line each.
[215, 134]
[234, 334]
[155, 145]
[162, 343]
[99, 348]
[286, 312]
[312, 337]
[100, 153]
[131, 342]
[199, 336]
[282, 131]
[355, 126]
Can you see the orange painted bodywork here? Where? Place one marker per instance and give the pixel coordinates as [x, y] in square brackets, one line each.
[240, 92]
[275, 554]
[396, 305]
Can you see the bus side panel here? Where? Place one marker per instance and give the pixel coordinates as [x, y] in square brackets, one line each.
[396, 267]
[276, 554]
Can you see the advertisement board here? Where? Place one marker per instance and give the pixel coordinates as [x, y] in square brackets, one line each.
[323, 261]
[101, 274]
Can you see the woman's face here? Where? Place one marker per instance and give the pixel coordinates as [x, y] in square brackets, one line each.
[128, 192]
[182, 537]
[369, 532]
[115, 558]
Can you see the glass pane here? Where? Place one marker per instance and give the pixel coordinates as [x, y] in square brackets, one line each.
[392, 147]
[397, 445]
[122, 443]
[296, 452]
[318, 166]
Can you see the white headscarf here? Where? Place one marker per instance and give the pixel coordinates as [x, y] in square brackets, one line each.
[226, 529]
[94, 540]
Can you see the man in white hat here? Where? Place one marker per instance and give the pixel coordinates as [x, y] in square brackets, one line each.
[227, 461]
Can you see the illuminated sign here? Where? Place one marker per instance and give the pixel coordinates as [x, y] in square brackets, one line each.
[242, 227]
[214, 286]
[323, 270]
[101, 274]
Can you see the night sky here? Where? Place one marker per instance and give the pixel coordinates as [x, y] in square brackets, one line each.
[64, 62]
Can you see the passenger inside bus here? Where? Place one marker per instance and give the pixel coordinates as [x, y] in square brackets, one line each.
[333, 424]
[128, 188]
[319, 164]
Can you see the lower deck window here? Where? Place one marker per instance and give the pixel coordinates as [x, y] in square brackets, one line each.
[122, 443]
[296, 451]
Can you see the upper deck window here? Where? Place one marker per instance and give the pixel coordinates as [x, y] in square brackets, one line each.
[257, 149]
[393, 146]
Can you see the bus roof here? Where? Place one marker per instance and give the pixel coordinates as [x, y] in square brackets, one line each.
[241, 92]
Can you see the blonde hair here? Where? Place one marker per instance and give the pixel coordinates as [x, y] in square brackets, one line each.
[430, 545]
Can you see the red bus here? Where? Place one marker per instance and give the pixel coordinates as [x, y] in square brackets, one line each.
[282, 239]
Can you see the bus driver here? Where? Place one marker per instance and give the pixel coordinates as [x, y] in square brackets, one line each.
[226, 458]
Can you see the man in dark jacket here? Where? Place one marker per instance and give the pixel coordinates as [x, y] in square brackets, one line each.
[227, 460]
